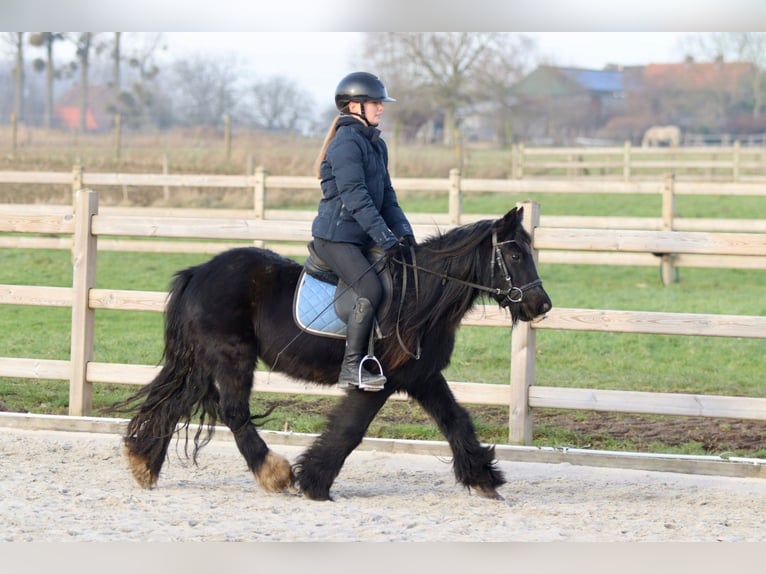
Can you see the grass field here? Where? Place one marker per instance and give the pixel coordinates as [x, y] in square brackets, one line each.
[577, 359]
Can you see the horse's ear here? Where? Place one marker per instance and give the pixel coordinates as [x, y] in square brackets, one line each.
[513, 217]
[509, 224]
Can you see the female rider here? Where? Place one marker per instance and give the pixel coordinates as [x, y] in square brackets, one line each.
[358, 210]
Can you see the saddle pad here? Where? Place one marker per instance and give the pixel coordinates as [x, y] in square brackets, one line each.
[313, 308]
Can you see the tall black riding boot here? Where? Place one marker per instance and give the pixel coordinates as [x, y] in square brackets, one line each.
[352, 371]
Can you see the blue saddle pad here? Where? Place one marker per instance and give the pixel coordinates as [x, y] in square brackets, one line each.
[314, 310]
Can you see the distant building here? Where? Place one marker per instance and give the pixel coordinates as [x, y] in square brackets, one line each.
[66, 110]
[561, 104]
[554, 103]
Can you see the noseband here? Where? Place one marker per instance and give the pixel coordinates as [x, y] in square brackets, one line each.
[514, 294]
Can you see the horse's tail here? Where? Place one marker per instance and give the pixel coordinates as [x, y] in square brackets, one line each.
[181, 392]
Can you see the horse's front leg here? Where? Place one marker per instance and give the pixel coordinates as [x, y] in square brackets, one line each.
[318, 467]
[473, 463]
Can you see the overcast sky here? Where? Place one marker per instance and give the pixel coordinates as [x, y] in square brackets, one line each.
[317, 60]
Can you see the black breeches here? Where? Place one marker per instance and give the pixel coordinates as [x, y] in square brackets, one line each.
[350, 264]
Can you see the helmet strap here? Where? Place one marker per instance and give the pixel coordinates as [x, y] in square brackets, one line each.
[361, 116]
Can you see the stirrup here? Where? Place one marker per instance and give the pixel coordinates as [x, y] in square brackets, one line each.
[376, 384]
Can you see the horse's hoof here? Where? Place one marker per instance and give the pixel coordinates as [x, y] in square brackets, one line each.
[317, 497]
[488, 492]
[276, 474]
[139, 468]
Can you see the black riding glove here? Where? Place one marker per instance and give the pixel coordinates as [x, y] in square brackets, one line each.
[408, 241]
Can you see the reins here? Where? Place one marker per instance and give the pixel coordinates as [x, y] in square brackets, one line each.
[514, 293]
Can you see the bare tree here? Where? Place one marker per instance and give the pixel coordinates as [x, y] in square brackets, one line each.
[16, 40]
[137, 103]
[496, 73]
[116, 63]
[443, 63]
[47, 40]
[83, 43]
[141, 51]
[741, 46]
[206, 89]
[278, 104]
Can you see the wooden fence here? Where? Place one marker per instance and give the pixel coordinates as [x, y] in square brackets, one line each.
[628, 163]
[455, 187]
[87, 225]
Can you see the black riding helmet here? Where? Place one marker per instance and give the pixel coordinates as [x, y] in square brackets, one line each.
[360, 87]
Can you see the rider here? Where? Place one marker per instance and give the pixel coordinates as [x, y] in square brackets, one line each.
[358, 210]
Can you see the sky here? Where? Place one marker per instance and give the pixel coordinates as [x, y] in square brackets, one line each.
[316, 42]
[316, 61]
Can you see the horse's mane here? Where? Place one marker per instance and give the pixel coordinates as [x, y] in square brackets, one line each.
[463, 252]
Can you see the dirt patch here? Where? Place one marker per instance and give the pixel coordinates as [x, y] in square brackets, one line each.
[644, 432]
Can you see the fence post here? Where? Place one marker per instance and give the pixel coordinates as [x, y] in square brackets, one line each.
[520, 162]
[117, 136]
[165, 171]
[14, 133]
[514, 153]
[523, 349]
[459, 151]
[259, 191]
[735, 161]
[83, 280]
[227, 134]
[626, 161]
[77, 183]
[455, 196]
[669, 272]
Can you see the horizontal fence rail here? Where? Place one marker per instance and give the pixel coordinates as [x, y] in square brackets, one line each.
[724, 163]
[455, 186]
[89, 227]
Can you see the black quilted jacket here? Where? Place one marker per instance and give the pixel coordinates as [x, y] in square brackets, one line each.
[358, 202]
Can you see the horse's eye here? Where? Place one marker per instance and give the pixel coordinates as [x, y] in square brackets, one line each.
[516, 257]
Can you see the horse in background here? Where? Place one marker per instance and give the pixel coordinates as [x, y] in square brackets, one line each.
[662, 136]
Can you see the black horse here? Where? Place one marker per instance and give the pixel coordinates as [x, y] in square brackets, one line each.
[226, 314]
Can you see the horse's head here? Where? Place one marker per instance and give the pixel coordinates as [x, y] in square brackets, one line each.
[514, 273]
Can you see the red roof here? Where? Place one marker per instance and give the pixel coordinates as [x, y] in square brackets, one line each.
[697, 75]
[69, 117]
[97, 118]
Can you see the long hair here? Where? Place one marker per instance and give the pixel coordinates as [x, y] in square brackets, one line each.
[325, 144]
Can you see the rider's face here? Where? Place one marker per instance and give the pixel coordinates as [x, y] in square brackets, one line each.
[373, 111]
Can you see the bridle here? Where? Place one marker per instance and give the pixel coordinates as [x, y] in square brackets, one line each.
[514, 293]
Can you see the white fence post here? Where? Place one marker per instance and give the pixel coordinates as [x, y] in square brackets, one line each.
[83, 280]
[77, 182]
[669, 272]
[455, 196]
[523, 349]
[259, 192]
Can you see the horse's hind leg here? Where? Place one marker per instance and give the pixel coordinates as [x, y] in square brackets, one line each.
[473, 463]
[167, 399]
[272, 471]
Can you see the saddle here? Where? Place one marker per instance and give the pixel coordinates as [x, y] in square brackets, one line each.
[323, 302]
